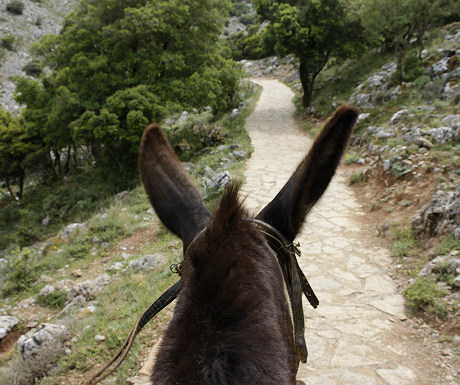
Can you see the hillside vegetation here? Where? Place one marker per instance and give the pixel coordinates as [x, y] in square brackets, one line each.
[404, 162]
[92, 278]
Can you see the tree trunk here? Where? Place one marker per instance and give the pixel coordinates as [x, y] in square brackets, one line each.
[67, 161]
[57, 161]
[307, 81]
[21, 180]
[401, 60]
[8, 186]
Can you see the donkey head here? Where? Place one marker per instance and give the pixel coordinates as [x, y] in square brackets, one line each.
[232, 317]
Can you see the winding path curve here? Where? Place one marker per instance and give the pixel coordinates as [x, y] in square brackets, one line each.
[356, 336]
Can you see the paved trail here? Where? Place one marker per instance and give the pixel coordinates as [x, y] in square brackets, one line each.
[356, 335]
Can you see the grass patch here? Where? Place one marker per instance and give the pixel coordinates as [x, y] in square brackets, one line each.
[117, 308]
[358, 178]
[19, 273]
[447, 244]
[404, 243]
[351, 157]
[54, 300]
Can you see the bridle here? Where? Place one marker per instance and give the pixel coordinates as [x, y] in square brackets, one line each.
[296, 283]
[295, 280]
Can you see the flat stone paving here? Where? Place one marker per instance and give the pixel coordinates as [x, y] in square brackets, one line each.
[352, 336]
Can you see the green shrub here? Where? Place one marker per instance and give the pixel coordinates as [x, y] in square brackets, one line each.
[8, 42]
[351, 157]
[357, 178]
[16, 7]
[33, 68]
[422, 81]
[414, 68]
[447, 244]
[248, 19]
[29, 229]
[54, 300]
[446, 273]
[19, 273]
[238, 9]
[76, 250]
[424, 294]
[399, 169]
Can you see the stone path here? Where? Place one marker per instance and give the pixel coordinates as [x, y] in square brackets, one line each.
[354, 336]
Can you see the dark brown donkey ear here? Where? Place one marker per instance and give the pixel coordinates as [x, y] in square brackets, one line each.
[172, 194]
[287, 211]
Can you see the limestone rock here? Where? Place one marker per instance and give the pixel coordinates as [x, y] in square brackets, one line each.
[47, 290]
[441, 216]
[89, 289]
[146, 263]
[6, 324]
[75, 304]
[35, 341]
[397, 116]
[72, 227]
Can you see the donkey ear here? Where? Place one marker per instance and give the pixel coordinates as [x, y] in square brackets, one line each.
[172, 194]
[287, 211]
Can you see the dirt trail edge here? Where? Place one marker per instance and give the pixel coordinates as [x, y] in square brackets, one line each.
[358, 335]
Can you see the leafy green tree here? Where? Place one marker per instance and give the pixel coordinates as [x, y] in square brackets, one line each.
[425, 14]
[49, 111]
[397, 22]
[314, 31]
[119, 64]
[18, 152]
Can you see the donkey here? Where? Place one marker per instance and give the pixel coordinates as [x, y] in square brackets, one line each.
[232, 321]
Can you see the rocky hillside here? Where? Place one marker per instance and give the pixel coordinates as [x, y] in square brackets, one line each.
[18, 30]
[404, 160]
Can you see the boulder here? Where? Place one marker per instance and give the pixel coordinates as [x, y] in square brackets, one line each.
[6, 324]
[146, 263]
[72, 227]
[89, 289]
[442, 215]
[47, 290]
[220, 180]
[397, 116]
[441, 262]
[36, 341]
[76, 304]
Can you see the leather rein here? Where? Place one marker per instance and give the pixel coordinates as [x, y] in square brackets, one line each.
[294, 278]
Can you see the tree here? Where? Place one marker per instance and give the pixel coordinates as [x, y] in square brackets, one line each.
[397, 22]
[425, 14]
[119, 64]
[314, 31]
[18, 151]
[391, 20]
